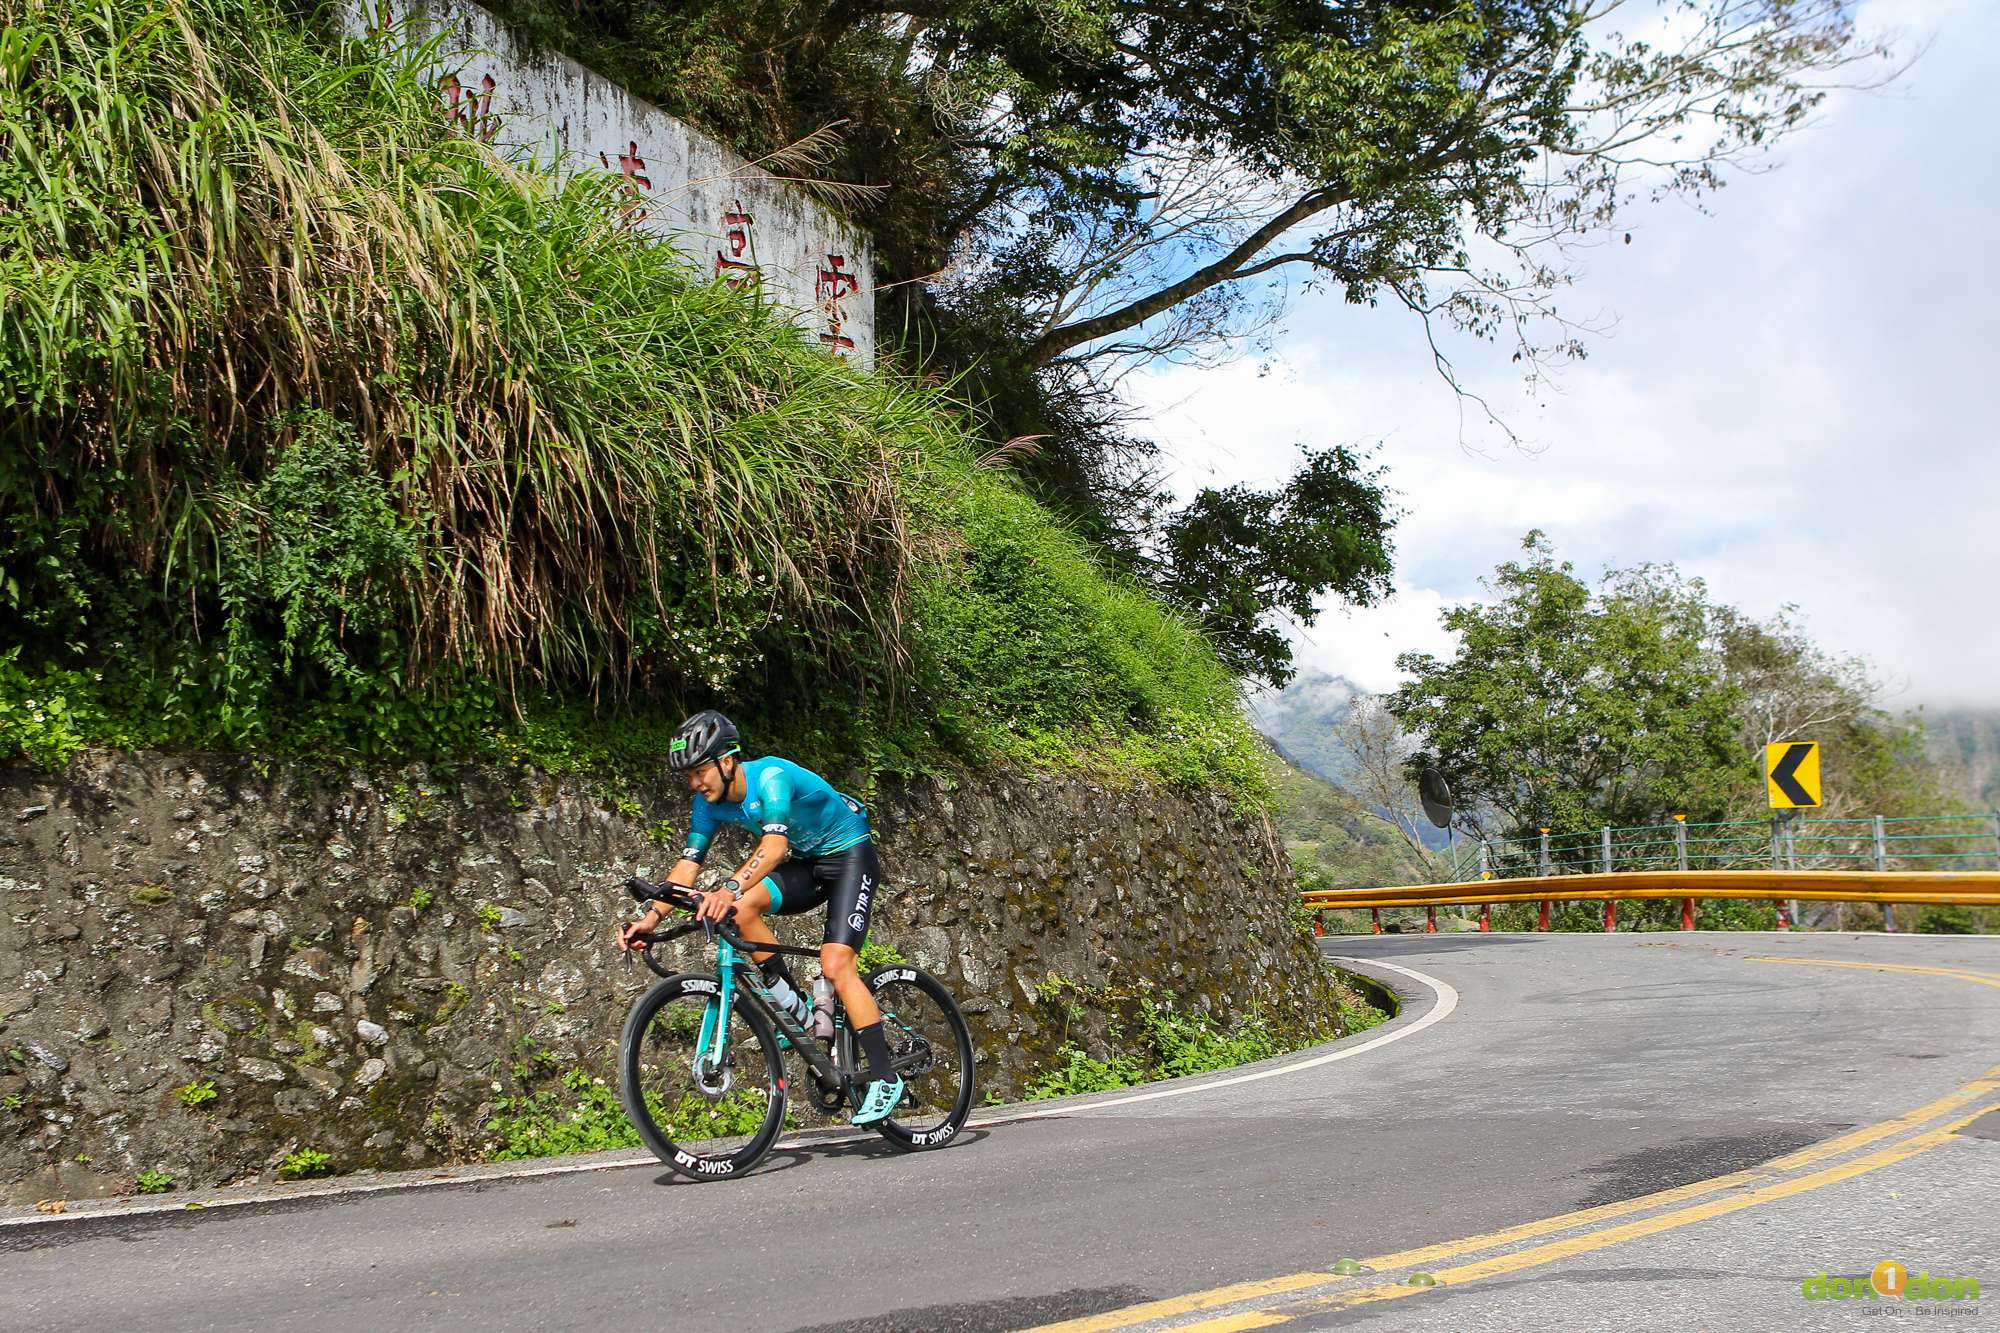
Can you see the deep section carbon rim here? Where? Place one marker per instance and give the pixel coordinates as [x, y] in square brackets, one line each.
[932, 1049]
[706, 1117]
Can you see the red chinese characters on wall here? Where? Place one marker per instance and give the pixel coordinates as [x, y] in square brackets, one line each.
[737, 264]
[835, 285]
[632, 167]
[469, 110]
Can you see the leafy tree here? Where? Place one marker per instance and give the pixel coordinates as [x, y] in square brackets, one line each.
[1567, 709]
[1233, 555]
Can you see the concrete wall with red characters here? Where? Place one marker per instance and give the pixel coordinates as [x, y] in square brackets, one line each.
[732, 219]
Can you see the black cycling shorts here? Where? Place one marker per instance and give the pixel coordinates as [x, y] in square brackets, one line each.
[845, 882]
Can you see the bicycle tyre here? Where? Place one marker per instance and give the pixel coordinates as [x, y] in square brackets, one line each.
[658, 1086]
[950, 1106]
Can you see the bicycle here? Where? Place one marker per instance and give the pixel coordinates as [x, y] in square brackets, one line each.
[709, 1110]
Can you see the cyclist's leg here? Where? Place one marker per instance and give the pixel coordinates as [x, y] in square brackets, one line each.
[851, 878]
[856, 876]
[786, 891]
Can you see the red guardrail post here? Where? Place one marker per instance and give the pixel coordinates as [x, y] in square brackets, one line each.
[1486, 916]
[1610, 914]
[1544, 923]
[1430, 921]
[1784, 919]
[1376, 913]
[1687, 914]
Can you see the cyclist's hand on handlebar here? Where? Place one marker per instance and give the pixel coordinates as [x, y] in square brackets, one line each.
[716, 905]
[633, 935]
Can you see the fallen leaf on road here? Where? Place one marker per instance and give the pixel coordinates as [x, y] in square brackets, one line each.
[51, 1206]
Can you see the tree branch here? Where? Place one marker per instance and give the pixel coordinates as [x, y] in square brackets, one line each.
[1057, 341]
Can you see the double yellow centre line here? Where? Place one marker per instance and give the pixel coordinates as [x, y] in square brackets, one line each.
[1362, 1282]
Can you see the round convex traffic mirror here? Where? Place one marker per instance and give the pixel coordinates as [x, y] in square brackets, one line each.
[1435, 794]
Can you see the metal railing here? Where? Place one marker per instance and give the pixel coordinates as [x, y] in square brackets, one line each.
[1970, 888]
[1880, 843]
[1904, 852]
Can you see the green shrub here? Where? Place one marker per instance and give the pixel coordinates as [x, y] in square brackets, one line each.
[154, 1182]
[196, 1094]
[876, 953]
[1077, 1072]
[1357, 1013]
[302, 1163]
[584, 1114]
[1946, 919]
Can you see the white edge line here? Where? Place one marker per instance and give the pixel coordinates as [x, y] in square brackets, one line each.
[1447, 1000]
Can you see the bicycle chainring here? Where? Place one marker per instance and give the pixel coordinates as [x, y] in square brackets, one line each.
[827, 1097]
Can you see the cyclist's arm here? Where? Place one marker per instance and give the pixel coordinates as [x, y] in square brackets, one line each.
[686, 870]
[770, 853]
[774, 842]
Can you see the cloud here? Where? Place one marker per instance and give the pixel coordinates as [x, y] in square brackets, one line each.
[1798, 402]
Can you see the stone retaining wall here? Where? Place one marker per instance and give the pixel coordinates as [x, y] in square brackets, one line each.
[364, 963]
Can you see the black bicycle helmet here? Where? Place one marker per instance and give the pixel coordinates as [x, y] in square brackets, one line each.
[705, 736]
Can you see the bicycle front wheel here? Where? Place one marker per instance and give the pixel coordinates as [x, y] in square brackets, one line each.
[705, 1090]
[931, 1048]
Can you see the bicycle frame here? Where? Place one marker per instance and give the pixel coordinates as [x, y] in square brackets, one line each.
[730, 949]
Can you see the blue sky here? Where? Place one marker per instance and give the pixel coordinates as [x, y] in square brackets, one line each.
[1799, 401]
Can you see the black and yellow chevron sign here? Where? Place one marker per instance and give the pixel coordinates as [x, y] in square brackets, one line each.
[1791, 771]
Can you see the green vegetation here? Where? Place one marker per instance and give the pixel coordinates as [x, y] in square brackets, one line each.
[584, 1115]
[154, 1182]
[1574, 708]
[303, 1163]
[1171, 1042]
[339, 525]
[1357, 1012]
[1567, 710]
[421, 897]
[552, 1122]
[1571, 709]
[197, 1094]
[876, 953]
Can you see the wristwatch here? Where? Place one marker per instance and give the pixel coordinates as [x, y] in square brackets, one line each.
[735, 889]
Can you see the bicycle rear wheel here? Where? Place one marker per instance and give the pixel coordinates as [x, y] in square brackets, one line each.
[704, 1118]
[932, 1049]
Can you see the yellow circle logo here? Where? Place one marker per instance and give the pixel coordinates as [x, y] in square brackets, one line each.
[1890, 1278]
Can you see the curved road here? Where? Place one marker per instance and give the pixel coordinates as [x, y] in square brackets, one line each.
[1571, 1073]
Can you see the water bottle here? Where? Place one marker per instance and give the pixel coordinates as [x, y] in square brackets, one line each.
[789, 1000]
[822, 1009]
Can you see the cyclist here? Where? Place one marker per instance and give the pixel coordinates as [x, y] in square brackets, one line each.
[814, 848]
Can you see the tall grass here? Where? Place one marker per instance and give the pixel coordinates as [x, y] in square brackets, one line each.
[215, 217]
[323, 427]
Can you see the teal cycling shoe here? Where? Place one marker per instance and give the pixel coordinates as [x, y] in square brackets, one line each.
[878, 1101]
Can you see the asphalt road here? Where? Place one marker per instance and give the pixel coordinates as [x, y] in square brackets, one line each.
[1571, 1072]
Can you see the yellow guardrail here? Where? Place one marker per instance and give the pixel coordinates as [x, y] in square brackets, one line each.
[1971, 888]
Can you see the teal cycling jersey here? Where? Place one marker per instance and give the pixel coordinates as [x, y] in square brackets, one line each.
[782, 797]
